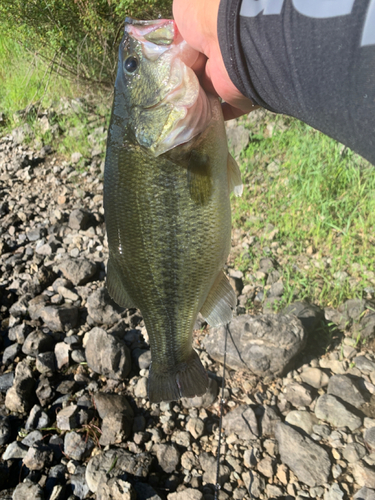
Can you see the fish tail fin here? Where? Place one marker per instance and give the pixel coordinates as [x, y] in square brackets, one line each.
[187, 380]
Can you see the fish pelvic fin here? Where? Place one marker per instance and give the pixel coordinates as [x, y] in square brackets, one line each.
[116, 287]
[187, 380]
[234, 176]
[221, 300]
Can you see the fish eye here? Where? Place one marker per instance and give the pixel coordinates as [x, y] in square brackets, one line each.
[131, 64]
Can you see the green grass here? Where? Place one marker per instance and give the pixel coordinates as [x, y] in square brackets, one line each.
[320, 199]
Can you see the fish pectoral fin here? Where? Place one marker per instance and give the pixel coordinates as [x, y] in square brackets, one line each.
[217, 309]
[116, 288]
[234, 176]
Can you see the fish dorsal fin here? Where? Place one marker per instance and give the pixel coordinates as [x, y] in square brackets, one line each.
[234, 176]
[116, 288]
[217, 309]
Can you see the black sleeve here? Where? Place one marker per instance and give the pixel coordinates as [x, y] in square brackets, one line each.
[314, 60]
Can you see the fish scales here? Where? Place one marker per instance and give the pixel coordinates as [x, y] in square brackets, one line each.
[168, 225]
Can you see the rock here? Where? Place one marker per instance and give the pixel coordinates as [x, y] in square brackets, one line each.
[38, 342]
[203, 401]
[79, 219]
[310, 314]
[238, 137]
[186, 494]
[19, 398]
[364, 494]
[115, 489]
[308, 461]
[6, 381]
[144, 360]
[46, 362]
[302, 419]
[254, 483]
[79, 484]
[38, 456]
[241, 421]
[117, 461]
[28, 490]
[18, 333]
[364, 364]
[363, 475]
[367, 326]
[107, 355]
[344, 387]
[334, 493]
[196, 427]
[62, 354]
[265, 345]
[78, 271]
[37, 419]
[117, 416]
[44, 391]
[209, 465]
[5, 430]
[298, 394]
[76, 446]
[315, 377]
[66, 419]
[102, 309]
[60, 318]
[369, 439]
[330, 409]
[14, 450]
[265, 467]
[168, 457]
[32, 438]
[10, 353]
[353, 452]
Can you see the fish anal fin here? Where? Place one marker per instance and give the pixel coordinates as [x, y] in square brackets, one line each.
[187, 380]
[116, 288]
[199, 176]
[221, 300]
[234, 176]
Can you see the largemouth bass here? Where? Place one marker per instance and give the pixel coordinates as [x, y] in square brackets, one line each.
[167, 181]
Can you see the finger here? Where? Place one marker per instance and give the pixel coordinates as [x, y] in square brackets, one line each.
[199, 66]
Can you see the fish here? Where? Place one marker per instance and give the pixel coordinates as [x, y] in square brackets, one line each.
[167, 182]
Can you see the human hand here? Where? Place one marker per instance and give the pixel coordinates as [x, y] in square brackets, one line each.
[197, 23]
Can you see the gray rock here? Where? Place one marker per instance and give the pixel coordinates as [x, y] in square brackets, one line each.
[302, 419]
[38, 456]
[78, 355]
[37, 419]
[76, 446]
[117, 416]
[203, 401]
[102, 309]
[107, 354]
[330, 409]
[168, 457]
[364, 364]
[334, 493]
[268, 421]
[310, 314]
[354, 452]
[46, 362]
[141, 388]
[78, 271]
[107, 404]
[78, 481]
[79, 219]
[18, 333]
[315, 377]
[298, 394]
[364, 494]
[66, 419]
[14, 450]
[254, 483]
[62, 351]
[32, 438]
[44, 391]
[19, 398]
[344, 387]
[28, 490]
[115, 489]
[367, 326]
[38, 342]
[144, 360]
[117, 461]
[60, 318]
[6, 381]
[146, 492]
[238, 137]
[267, 344]
[10, 353]
[5, 430]
[196, 427]
[369, 439]
[354, 308]
[241, 421]
[308, 461]
[363, 475]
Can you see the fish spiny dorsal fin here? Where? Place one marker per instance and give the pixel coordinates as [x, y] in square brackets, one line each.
[234, 176]
[116, 288]
[217, 309]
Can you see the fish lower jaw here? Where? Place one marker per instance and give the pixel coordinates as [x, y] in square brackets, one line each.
[186, 380]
